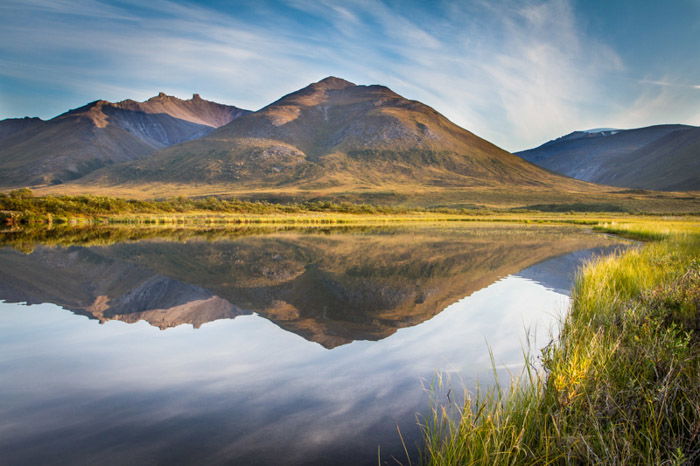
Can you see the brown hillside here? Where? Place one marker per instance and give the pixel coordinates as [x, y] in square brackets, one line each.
[101, 133]
[336, 135]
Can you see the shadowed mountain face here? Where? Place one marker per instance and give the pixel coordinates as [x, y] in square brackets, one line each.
[33, 151]
[12, 126]
[336, 135]
[328, 289]
[664, 157]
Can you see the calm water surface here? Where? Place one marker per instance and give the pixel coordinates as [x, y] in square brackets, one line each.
[274, 348]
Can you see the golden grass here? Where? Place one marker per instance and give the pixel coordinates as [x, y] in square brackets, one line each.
[401, 195]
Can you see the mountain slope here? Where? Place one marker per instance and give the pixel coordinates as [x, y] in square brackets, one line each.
[664, 157]
[12, 126]
[334, 134]
[669, 163]
[33, 151]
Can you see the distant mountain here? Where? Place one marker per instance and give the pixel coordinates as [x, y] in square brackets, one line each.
[335, 135]
[663, 157]
[33, 151]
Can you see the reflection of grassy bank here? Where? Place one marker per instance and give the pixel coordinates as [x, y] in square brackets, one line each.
[25, 238]
[620, 385]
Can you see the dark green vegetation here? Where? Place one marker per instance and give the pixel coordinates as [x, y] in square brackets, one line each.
[21, 207]
[658, 157]
[33, 151]
[619, 386]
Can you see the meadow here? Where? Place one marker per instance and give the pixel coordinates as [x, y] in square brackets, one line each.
[22, 207]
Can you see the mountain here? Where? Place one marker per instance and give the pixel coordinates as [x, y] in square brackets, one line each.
[331, 289]
[337, 136]
[102, 288]
[663, 157]
[33, 151]
[12, 126]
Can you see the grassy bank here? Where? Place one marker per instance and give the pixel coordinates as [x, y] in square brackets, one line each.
[21, 208]
[619, 386]
[412, 195]
[26, 208]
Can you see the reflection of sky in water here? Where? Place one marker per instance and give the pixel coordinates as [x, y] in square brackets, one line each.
[242, 389]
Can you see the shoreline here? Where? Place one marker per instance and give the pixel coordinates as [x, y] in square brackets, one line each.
[618, 385]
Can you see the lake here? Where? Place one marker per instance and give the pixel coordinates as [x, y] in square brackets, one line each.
[269, 347]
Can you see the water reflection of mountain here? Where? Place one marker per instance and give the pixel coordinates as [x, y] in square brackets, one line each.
[331, 289]
[558, 273]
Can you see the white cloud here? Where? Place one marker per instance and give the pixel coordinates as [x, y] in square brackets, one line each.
[668, 83]
[663, 102]
[516, 73]
[86, 8]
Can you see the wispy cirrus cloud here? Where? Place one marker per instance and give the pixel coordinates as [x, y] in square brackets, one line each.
[661, 101]
[667, 83]
[516, 73]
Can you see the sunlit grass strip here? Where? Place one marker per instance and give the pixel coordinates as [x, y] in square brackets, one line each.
[620, 385]
[21, 207]
[644, 230]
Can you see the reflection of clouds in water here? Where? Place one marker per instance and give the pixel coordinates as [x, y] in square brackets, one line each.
[236, 387]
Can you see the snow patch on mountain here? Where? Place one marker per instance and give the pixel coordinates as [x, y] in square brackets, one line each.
[602, 131]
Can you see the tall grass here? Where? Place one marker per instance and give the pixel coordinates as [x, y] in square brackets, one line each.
[621, 385]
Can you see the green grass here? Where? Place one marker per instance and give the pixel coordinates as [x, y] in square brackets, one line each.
[644, 230]
[621, 385]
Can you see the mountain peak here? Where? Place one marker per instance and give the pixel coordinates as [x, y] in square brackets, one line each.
[163, 97]
[331, 82]
[92, 111]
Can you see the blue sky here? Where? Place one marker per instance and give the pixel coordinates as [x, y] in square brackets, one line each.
[517, 73]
